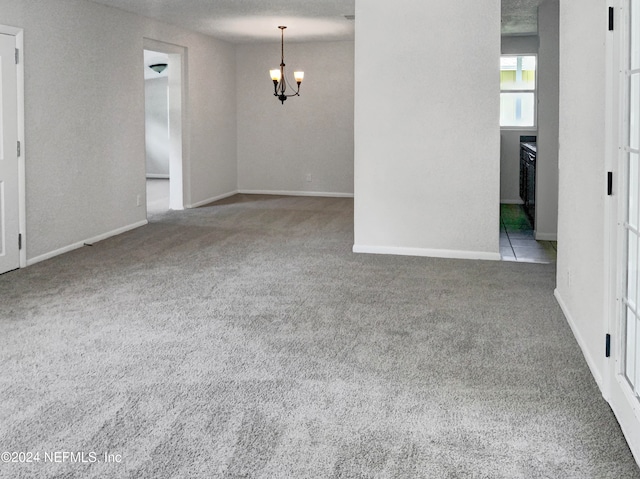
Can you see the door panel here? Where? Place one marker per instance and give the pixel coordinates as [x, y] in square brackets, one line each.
[9, 199]
[624, 383]
[630, 226]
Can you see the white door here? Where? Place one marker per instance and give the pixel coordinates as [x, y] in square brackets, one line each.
[624, 394]
[9, 199]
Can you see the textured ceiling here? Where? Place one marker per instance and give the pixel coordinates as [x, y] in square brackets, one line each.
[520, 17]
[247, 21]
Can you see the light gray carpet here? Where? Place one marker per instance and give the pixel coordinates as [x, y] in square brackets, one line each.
[245, 340]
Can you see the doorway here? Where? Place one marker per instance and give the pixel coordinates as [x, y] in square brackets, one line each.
[164, 67]
[529, 122]
[157, 133]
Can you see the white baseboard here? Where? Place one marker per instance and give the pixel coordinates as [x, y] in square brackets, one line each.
[80, 244]
[297, 193]
[157, 176]
[580, 340]
[211, 200]
[512, 202]
[270, 192]
[432, 253]
[545, 236]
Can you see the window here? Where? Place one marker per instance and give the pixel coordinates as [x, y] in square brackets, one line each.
[518, 91]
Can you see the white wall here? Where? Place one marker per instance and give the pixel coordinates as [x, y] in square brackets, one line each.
[279, 145]
[427, 139]
[157, 126]
[546, 223]
[85, 140]
[510, 139]
[581, 250]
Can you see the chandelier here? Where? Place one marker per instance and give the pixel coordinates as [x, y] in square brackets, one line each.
[279, 81]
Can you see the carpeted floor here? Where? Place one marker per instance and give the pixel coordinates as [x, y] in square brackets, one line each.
[245, 340]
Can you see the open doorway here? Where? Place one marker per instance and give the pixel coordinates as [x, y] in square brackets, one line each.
[157, 137]
[529, 117]
[164, 94]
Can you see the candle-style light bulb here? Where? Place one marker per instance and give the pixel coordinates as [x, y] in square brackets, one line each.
[275, 74]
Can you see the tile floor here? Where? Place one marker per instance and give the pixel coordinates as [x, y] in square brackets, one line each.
[517, 242]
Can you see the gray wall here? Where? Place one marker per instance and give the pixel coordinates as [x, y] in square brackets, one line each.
[581, 282]
[546, 224]
[280, 145]
[85, 140]
[510, 139]
[157, 127]
[427, 148]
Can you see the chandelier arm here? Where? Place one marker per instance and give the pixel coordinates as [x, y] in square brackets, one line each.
[287, 84]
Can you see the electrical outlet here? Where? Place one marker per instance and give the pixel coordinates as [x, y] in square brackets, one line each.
[139, 200]
[309, 178]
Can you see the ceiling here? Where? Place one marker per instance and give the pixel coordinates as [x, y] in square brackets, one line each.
[520, 17]
[253, 21]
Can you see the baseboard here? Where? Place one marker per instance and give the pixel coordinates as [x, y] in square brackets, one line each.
[212, 200]
[270, 192]
[80, 244]
[323, 194]
[432, 253]
[512, 202]
[580, 340]
[545, 236]
[157, 176]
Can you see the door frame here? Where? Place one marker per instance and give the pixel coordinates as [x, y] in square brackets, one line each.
[179, 171]
[18, 33]
[625, 407]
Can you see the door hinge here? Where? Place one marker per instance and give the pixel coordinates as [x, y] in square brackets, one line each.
[611, 12]
[19, 148]
[20, 241]
[607, 346]
[609, 183]
[17, 56]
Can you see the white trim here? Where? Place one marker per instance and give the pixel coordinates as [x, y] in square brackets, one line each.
[626, 412]
[157, 176]
[269, 192]
[580, 340]
[512, 202]
[211, 200]
[324, 194]
[22, 174]
[432, 253]
[613, 242]
[179, 129]
[18, 33]
[545, 236]
[80, 244]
